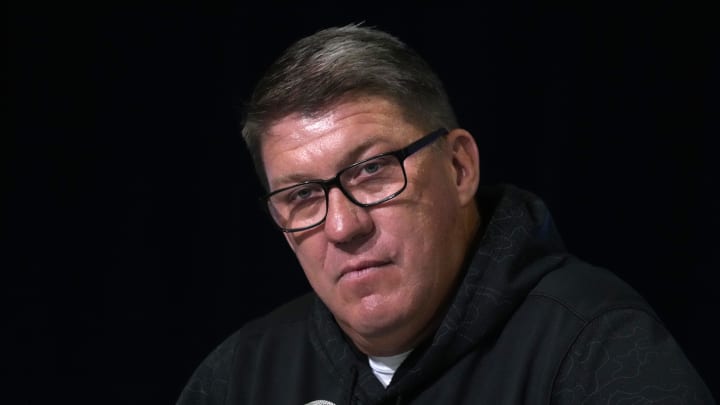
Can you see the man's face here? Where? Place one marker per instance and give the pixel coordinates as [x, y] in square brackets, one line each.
[383, 271]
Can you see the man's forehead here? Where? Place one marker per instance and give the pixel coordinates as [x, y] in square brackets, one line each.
[350, 118]
[301, 154]
[296, 126]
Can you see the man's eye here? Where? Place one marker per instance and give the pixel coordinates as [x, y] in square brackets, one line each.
[371, 167]
[301, 194]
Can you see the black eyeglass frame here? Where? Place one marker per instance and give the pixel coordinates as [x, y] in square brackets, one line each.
[400, 154]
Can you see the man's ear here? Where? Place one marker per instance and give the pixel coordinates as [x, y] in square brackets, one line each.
[466, 164]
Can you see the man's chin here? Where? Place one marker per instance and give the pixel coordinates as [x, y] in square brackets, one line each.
[375, 324]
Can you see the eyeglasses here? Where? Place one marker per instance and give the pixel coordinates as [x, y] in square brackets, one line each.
[367, 183]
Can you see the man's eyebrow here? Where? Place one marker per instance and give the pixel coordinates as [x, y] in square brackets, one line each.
[294, 178]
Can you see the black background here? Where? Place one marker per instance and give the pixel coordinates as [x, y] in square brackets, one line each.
[133, 244]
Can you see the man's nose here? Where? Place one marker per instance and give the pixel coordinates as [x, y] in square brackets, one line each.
[345, 220]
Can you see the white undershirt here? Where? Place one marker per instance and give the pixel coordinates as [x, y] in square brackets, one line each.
[384, 367]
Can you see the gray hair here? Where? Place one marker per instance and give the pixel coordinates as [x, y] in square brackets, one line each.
[325, 68]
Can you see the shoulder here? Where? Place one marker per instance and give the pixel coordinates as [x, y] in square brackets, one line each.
[287, 315]
[621, 349]
[209, 382]
[589, 291]
[275, 329]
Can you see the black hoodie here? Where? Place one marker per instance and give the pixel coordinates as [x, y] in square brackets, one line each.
[529, 324]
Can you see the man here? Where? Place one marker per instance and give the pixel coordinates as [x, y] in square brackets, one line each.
[427, 288]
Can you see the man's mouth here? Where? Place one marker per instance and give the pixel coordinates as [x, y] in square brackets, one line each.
[360, 269]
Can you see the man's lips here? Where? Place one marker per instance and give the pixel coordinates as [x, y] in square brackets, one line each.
[360, 268]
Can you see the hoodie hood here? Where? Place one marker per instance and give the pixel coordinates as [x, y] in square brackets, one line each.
[518, 246]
